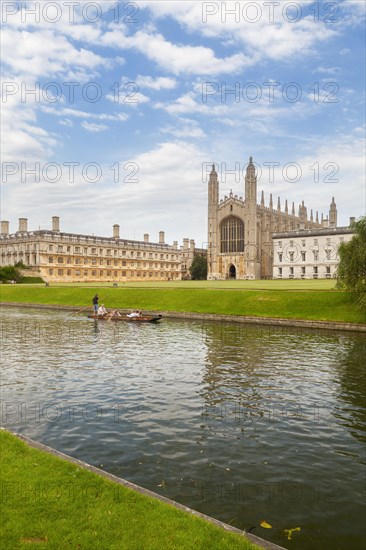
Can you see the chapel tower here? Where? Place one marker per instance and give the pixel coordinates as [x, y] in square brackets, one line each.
[213, 226]
[250, 223]
[333, 214]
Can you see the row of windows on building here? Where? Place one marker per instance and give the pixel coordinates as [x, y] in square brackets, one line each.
[292, 256]
[315, 242]
[150, 264]
[108, 252]
[60, 249]
[109, 273]
[314, 272]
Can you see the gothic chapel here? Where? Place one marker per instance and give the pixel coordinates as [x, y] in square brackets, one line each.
[240, 231]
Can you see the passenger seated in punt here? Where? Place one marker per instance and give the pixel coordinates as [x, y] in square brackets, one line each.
[135, 313]
[102, 310]
[114, 313]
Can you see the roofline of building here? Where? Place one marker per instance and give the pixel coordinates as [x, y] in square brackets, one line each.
[313, 232]
[91, 238]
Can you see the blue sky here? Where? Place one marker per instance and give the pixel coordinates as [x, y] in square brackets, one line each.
[130, 110]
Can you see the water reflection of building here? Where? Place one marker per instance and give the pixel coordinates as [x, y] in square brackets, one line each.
[352, 377]
[260, 372]
[234, 352]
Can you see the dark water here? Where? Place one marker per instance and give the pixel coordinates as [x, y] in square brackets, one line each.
[241, 423]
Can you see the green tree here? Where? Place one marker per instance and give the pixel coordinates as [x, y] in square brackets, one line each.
[198, 269]
[9, 273]
[351, 274]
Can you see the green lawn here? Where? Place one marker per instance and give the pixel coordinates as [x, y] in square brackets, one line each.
[311, 284]
[310, 300]
[48, 502]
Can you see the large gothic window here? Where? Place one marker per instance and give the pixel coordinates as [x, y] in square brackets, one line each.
[232, 235]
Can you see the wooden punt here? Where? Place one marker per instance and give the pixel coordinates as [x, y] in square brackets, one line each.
[142, 319]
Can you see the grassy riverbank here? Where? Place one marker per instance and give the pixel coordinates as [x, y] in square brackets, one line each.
[303, 302]
[52, 503]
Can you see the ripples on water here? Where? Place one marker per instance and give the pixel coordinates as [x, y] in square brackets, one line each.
[239, 422]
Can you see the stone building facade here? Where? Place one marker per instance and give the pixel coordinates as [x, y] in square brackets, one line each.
[69, 257]
[240, 230]
[308, 253]
[188, 253]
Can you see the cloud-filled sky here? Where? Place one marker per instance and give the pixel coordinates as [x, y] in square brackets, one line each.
[113, 112]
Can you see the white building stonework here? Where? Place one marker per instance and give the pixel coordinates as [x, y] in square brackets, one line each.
[308, 253]
[69, 257]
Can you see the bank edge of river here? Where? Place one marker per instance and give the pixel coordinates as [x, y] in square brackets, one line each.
[253, 539]
[269, 321]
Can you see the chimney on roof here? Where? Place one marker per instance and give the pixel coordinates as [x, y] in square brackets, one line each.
[192, 244]
[146, 237]
[4, 228]
[185, 244]
[56, 224]
[351, 221]
[161, 237]
[116, 231]
[175, 244]
[23, 225]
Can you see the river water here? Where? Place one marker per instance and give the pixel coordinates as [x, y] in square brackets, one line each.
[241, 423]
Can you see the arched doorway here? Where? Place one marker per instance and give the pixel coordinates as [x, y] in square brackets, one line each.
[232, 272]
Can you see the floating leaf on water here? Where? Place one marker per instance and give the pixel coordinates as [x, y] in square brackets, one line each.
[265, 525]
[288, 532]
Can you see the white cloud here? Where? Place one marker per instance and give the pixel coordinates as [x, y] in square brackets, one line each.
[187, 103]
[66, 122]
[129, 98]
[265, 38]
[185, 128]
[66, 111]
[93, 127]
[171, 171]
[186, 59]
[328, 70]
[334, 169]
[158, 83]
[26, 54]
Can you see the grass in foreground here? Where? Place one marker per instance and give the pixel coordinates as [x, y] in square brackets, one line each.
[52, 503]
[318, 305]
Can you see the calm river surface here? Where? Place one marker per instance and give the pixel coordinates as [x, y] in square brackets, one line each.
[241, 423]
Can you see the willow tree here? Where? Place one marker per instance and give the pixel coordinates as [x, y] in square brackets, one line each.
[351, 274]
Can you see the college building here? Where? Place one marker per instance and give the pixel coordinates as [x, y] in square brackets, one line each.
[57, 256]
[308, 254]
[247, 240]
